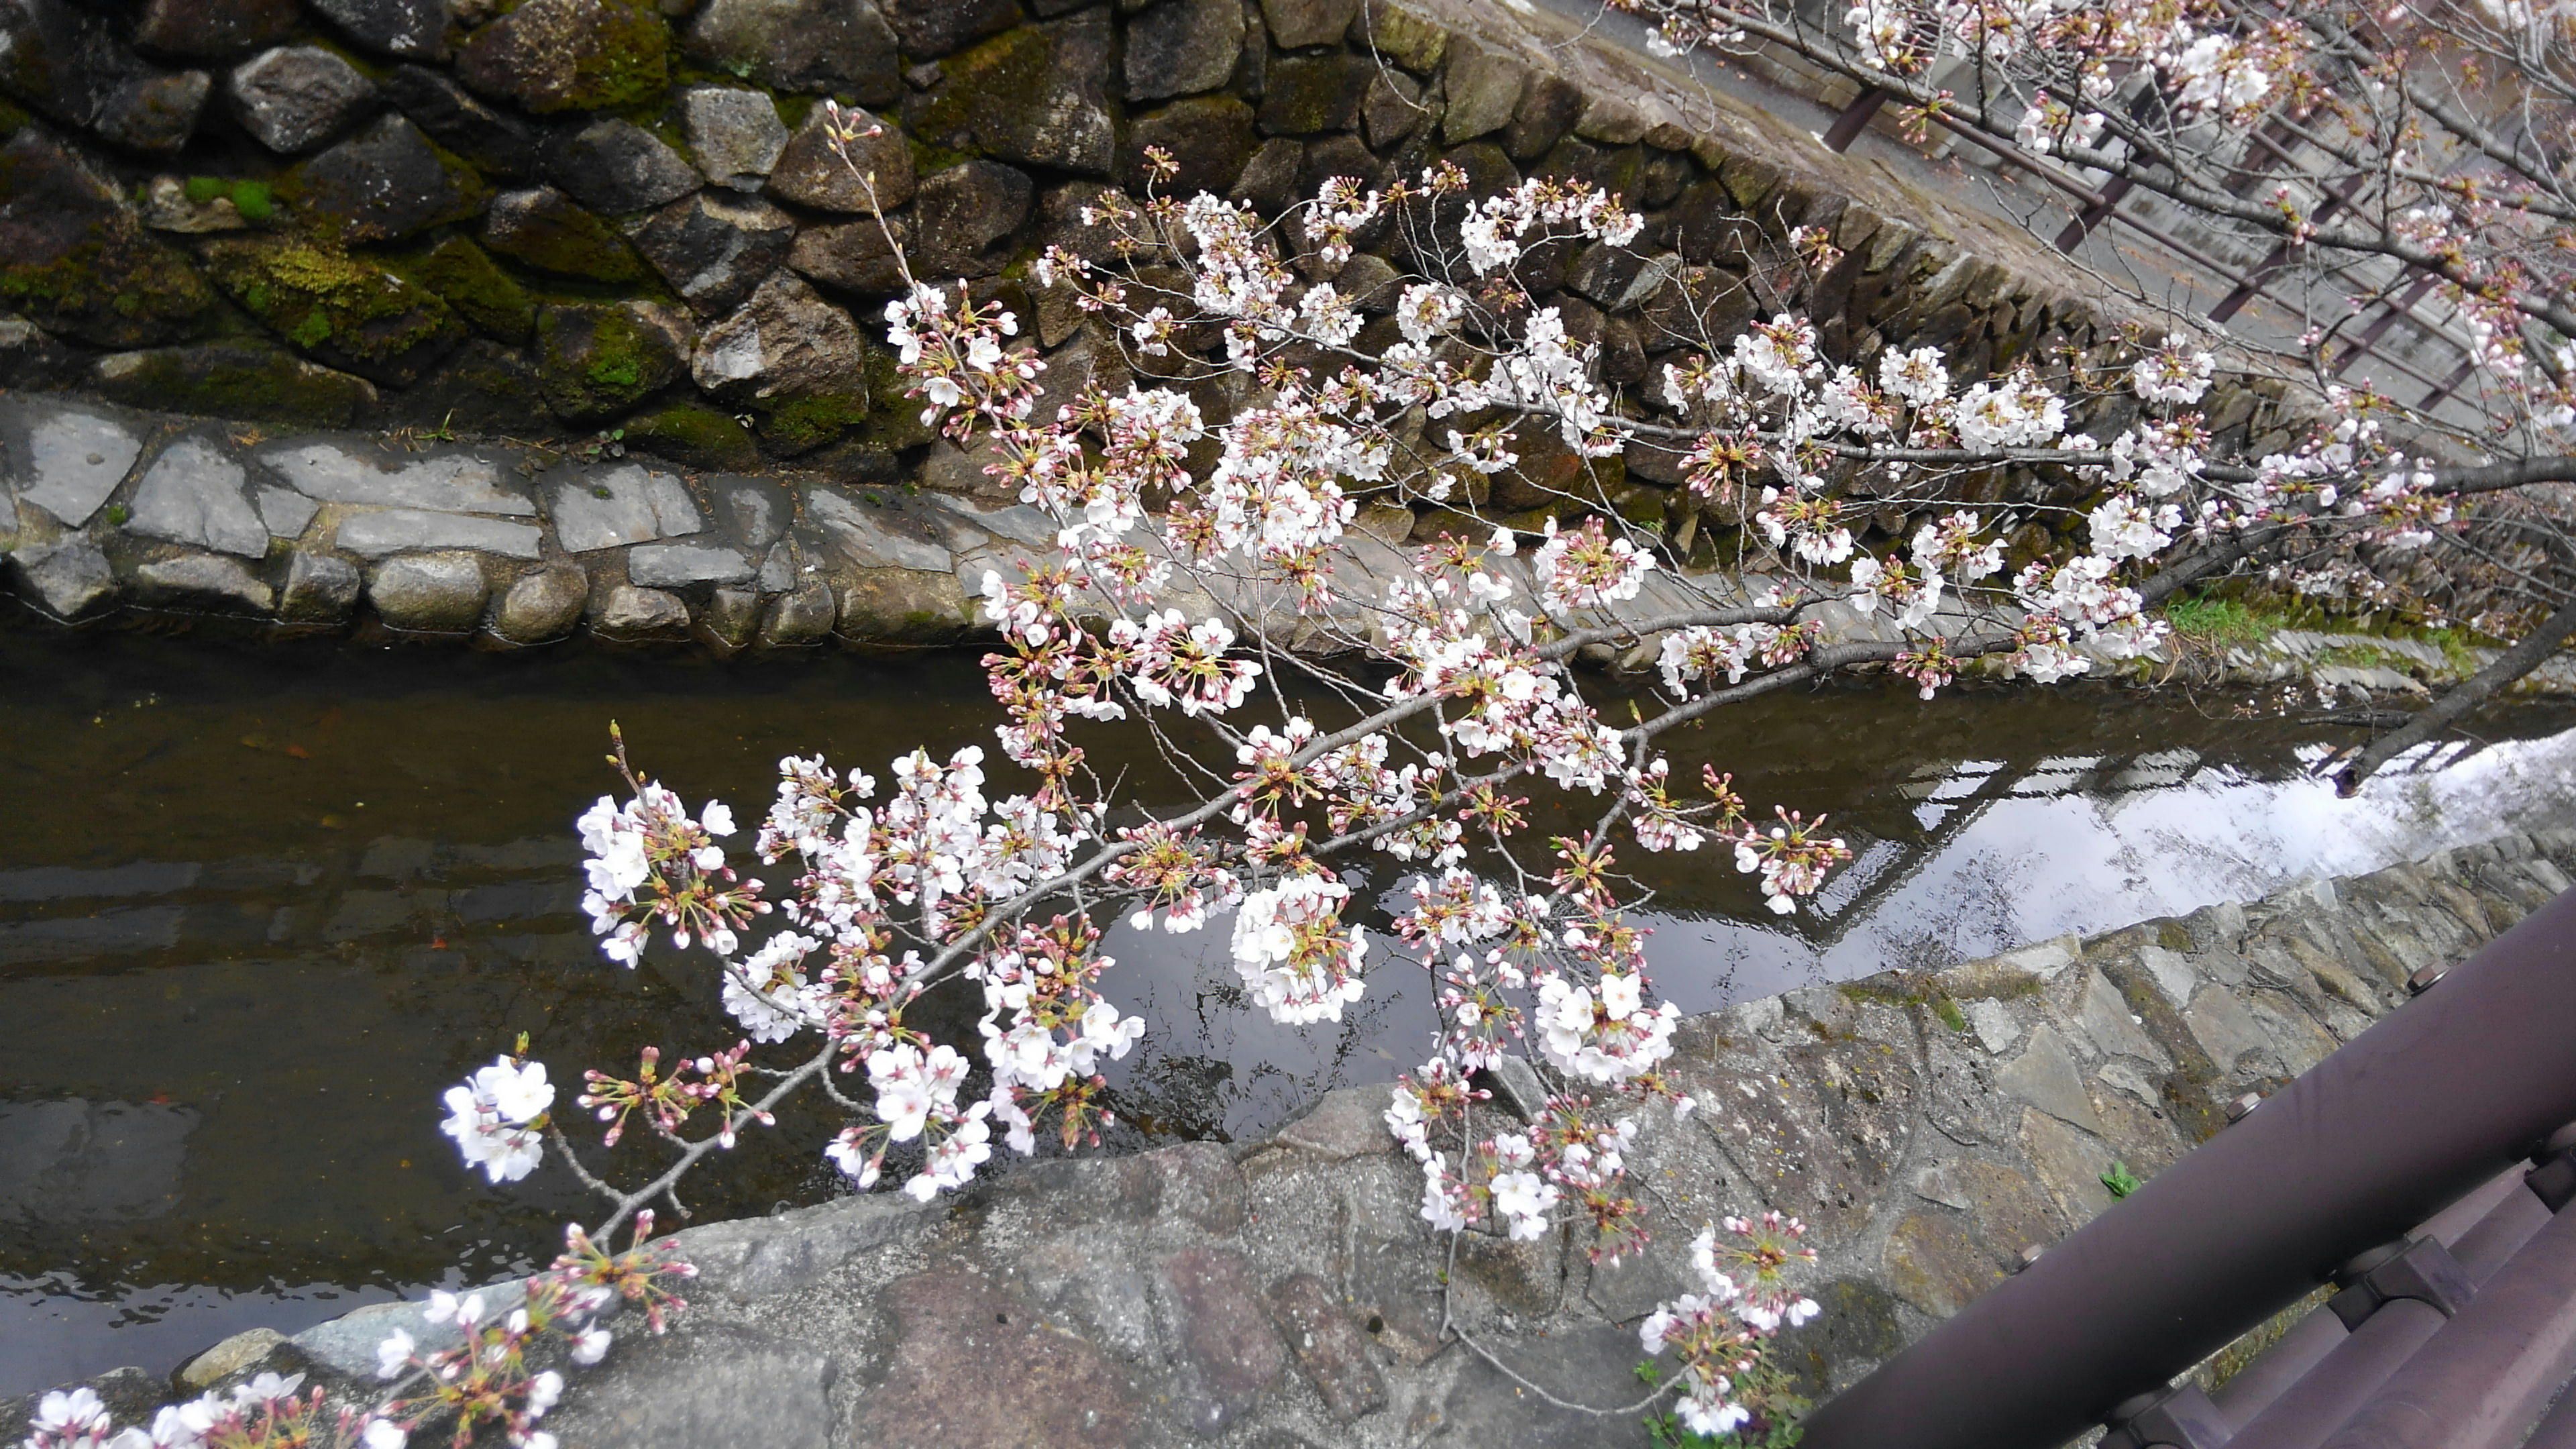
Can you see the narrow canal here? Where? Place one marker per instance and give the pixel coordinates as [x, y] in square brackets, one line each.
[258, 907]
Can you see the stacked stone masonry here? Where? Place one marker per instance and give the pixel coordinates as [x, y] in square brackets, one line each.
[1932, 1129]
[619, 220]
[109, 513]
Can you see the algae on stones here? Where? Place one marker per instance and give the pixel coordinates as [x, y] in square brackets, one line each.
[468, 280]
[571, 55]
[346, 311]
[79, 263]
[694, 434]
[233, 380]
[595, 362]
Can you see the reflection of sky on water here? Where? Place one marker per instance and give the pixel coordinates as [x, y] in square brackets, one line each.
[2005, 856]
[258, 909]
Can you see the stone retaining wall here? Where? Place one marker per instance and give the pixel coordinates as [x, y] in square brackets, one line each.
[565, 218]
[172, 521]
[1932, 1130]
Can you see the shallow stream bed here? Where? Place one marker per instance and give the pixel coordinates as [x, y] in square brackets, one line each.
[258, 907]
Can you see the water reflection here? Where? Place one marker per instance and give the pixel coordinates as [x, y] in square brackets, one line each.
[257, 909]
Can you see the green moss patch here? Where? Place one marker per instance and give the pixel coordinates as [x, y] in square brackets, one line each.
[597, 362]
[801, 424]
[342, 310]
[468, 280]
[698, 436]
[77, 262]
[259, 384]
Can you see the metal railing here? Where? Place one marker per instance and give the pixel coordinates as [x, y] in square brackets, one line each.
[2329, 1174]
[2103, 203]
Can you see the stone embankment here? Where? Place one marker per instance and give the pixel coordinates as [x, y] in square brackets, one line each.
[1934, 1130]
[107, 512]
[610, 225]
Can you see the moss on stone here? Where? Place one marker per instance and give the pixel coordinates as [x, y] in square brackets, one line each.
[260, 384]
[575, 55]
[801, 424]
[987, 88]
[203, 189]
[569, 241]
[346, 311]
[109, 290]
[896, 423]
[2173, 937]
[253, 200]
[597, 362]
[468, 280]
[693, 434]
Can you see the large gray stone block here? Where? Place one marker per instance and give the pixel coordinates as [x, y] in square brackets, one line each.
[192, 494]
[432, 593]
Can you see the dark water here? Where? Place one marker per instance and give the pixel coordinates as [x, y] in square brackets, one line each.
[258, 908]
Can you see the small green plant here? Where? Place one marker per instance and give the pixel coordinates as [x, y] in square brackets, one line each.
[2120, 1180]
[117, 514]
[254, 201]
[1777, 1422]
[202, 189]
[611, 443]
[2359, 656]
[2221, 621]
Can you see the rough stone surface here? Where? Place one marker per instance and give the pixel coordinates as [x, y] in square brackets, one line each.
[852, 256]
[1037, 95]
[735, 134]
[438, 593]
[155, 113]
[1209, 139]
[543, 228]
[630, 504]
[237, 1354]
[627, 612]
[258, 384]
[460, 481]
[67, 460]
[499, 143]
[67, 580]
[541, 605]
[1484, 89]
[379, 532]
[937, 27]
[597, 362]
[296, 97]
[201, 581]
[212, 29]
[713, 249]
[616, 166]
[785, 340]
[320, 589]
[965, 216]
[824, 46]
[683, 565]
[80, 263]
[192, 494]
[812, 172]
[1181, 47]
[385, 183]
[738, 1387]
[569, 55]
[1295, 23]
[409, 28]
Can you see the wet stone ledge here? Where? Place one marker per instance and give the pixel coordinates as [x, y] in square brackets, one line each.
[1281, 1294]
[111, 515]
